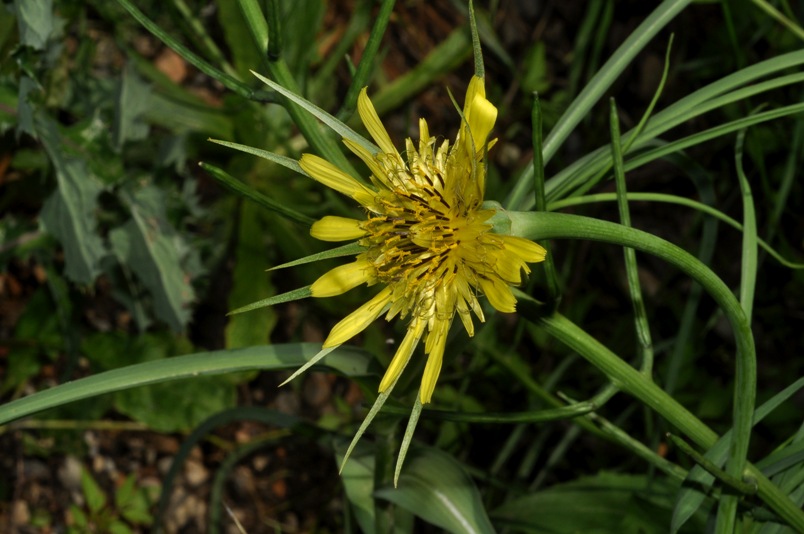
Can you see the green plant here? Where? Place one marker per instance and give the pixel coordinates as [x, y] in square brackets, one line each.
[460, 475]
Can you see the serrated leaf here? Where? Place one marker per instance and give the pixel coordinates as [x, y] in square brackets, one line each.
[35, 21]
[25, 116]
[177, 406]
[151, 248]
[132, 100]
[125, 493]
[435, 487]
[69, 213]
[96, 498]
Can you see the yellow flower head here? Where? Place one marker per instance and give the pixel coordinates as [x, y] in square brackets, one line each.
[426, 237]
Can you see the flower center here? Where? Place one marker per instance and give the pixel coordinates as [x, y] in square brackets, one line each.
[423, 238]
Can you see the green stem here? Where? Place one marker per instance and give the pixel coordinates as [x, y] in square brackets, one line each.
[540, 225]
[633, 382]
[596, 88]
[279, 72]
[228, 81]
[742, 487]
[361, 77]
[637, 302]
[776, 14]
[550, 275]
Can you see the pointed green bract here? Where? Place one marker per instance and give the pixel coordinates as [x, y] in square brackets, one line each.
[480, 70]
[285, 161]
[375, 409]
[352, 249]
[290, 296]
[254, 195]
[339, 127]
[411, 428]
[314, 360]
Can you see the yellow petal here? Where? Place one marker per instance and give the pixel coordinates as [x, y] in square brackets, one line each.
[358, 320]
[370, 161]
[332, 228]
[343, 278]
[527, 250]
[373, 123]
[477, 87]
[481, 117]
[436, 341]
[498, 293]
[403, 354]
[331, 176]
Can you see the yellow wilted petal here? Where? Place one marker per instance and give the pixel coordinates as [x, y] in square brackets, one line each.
[373, 123]
[403, 354]
[343, 278]
[369, 159]
[332, 228]
[481, 117]
[498, 293]
[436, 341]
[508, 266]
[358, 320]
[331, 176]
[527, 250]
[477, 87]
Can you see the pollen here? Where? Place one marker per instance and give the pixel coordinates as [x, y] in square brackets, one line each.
[425, 236]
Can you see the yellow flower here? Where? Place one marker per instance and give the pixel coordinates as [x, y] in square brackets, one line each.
[427, 239]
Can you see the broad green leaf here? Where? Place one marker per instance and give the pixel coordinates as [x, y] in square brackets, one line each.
[184, 117]
[604, 503]
[69, 213]
[179, 405]
[358, 480]
[435, 487]
[25, 111]
[357, 476]
[132, 100]
[35, 20]
[152, 249]
[535, 77]
[164, 407]
[346, 360]
[243, 52]
[96, 498]
[244, 330]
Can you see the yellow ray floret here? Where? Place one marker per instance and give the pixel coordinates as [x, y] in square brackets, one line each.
[333, 228]
[426, 238]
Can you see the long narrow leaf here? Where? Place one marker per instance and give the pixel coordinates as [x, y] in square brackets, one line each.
[332, 122]
[252, 194]
[349, 361]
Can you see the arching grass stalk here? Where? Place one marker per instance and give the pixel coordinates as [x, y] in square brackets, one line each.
[541, 226]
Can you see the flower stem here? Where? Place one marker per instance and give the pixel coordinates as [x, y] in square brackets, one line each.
[541, 225]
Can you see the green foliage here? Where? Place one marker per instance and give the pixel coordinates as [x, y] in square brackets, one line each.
[133, 243]
[606, 502]
[128, 511]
